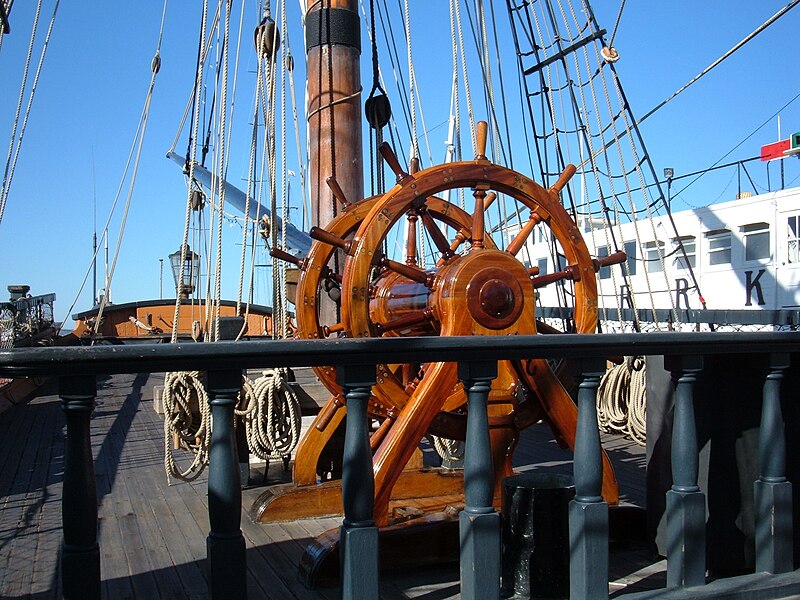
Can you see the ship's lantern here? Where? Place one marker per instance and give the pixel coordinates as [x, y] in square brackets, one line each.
[186, 272]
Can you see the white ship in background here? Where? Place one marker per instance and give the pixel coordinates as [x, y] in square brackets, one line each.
[721, 259]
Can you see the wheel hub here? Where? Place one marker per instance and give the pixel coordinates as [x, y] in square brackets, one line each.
[494, 298]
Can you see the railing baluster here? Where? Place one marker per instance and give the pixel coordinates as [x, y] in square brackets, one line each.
[773, 493]
[358, 535]
[588, 512]
[686, 504]
[479, 523]
[225, 544]
[80, 553]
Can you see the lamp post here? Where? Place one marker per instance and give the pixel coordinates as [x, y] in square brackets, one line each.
[185, 270]
[669, 173]
[160, 278]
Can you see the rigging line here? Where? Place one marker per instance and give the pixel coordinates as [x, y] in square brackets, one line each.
[22, 86]
[202, 54]
[111, 212]
[758, 30]
[481, 49]
[246, 226]
[155, 66]
[412, 82]
[502, 85]
[399, 81]
[198, 84]
[223, 155]
[766, 24]
[467, 93]
[616, 24]
[724, 156]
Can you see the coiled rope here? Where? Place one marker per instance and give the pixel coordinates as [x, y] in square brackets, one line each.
[185, 399]
[271, 413]
[179, 385]
[621, 400]
[449, 450]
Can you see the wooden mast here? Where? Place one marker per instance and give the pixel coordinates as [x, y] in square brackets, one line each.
[333, 52]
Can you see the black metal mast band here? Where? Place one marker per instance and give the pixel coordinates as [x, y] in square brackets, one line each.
[329, 26]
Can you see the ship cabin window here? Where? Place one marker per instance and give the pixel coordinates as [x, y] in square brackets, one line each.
[756, 241]
[630, 251]
[793, 239]
[653, 254]
[719, 247]
[541, 235]
[686, 258]
[605, 272]
[542, 264]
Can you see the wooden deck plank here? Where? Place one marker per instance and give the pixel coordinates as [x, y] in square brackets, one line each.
[29, 489]
[153, 536]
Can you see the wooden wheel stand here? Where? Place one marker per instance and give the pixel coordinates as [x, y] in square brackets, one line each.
[481, 291]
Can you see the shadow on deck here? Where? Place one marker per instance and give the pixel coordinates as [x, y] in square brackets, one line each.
[153, 536]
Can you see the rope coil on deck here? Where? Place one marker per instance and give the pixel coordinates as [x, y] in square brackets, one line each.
[185, 401]
[271, 413]
[621, 400]
[447, 449]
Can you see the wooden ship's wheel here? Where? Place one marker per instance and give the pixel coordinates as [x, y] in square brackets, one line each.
[475, 288]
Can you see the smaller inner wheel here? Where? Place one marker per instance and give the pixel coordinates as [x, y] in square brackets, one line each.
[494, 299]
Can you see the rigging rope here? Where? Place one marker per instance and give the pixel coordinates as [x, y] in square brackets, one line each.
[179, 385]
[749, 37]
[223, 162]
[616, 24]
[198, 87]
[11, 165]
[187, 420]
[271, 414]
[155, 66]
[621, 400]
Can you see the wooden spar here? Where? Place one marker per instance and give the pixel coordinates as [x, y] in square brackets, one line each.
[333, 43]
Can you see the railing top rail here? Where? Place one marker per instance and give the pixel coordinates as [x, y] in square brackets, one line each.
[29, 302]
[347, 351]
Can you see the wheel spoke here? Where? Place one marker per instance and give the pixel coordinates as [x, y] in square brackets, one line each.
[337, 192]
[411, 240]
[478, 223]
[409, 320]
[327, 237]
[439, 240]
[519, 240]
[391, 159]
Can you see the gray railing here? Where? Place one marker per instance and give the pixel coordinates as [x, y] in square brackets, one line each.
[22, 319]
[76, 369]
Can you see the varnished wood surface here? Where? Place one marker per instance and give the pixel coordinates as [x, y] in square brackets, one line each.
[152, 536]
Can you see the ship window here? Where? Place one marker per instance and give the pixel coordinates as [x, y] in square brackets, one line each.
[719, 247]
[756, 241]
[793, 239]
[689, 249]
[653, 254]
[605, 272]
[630, 251]
[542, 264]
[542, 234]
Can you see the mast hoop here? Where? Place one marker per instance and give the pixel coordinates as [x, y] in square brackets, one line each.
[333, 26]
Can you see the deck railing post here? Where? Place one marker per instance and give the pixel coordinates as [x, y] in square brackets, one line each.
[225, 544]
[588, 512]
[686, 504]
[773, 493]
[358, 535]
[479, 524]
[80, 553]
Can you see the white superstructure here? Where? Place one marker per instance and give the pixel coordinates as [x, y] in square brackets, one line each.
[744, 255]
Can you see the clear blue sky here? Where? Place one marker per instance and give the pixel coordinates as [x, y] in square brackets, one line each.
[98, 66]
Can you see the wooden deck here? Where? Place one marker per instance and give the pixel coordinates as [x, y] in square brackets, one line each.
[152, 535]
